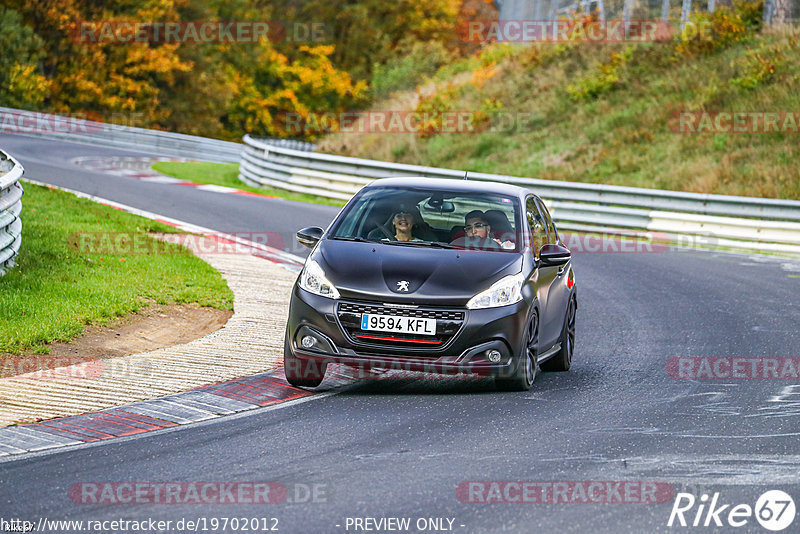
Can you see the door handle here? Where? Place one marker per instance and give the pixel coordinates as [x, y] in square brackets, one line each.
[560, 271]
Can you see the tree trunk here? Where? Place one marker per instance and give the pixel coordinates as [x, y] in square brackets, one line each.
[782, 13]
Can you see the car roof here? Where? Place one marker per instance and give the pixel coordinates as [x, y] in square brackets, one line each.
[469, 186]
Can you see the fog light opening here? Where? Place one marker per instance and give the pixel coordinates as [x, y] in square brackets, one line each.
[307, 342]
[493, 355]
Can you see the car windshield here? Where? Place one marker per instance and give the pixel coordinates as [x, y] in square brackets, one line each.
[432, 218]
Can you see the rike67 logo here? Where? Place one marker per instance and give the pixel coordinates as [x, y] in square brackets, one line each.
[774, 510]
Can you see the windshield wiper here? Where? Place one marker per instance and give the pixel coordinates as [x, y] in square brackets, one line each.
[356, 238]
[435, 244]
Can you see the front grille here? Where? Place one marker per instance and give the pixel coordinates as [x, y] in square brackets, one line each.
[448, 323]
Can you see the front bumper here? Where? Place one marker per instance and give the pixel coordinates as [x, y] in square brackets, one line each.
[466, 351]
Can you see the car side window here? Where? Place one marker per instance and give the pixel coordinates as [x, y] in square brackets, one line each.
[537, 226]
[551, 229]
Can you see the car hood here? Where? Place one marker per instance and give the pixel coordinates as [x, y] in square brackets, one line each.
[378, 272]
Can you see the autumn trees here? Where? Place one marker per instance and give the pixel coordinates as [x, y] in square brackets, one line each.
[71, 56]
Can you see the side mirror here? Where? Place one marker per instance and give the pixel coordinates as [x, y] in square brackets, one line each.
[308, 237]
[554, 254]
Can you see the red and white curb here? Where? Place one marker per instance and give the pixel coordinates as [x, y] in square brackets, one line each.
[201, 404]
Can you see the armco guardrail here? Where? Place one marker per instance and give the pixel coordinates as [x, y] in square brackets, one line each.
[10, 210]
[167, 144]
[727, 221]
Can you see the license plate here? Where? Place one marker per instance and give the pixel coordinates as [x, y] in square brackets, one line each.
[403, 325]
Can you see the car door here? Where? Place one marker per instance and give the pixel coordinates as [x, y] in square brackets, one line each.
[558, 293]
[544, 276]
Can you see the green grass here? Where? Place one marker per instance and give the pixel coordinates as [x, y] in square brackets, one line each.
[600, 118]
[56, 289]
[227, 174]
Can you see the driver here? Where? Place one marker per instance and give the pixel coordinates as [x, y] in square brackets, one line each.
[403, 223]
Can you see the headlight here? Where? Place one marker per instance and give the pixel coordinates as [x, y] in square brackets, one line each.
[313, 280]
[507, 290]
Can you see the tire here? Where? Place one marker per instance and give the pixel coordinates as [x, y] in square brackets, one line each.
[525, 374]
[562, 361]
[300, 372]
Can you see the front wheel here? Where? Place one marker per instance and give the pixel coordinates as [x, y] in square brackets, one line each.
[523, 378]
[563, 359]
[300, 372]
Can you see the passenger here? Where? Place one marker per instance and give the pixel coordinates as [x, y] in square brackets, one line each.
[477, 229]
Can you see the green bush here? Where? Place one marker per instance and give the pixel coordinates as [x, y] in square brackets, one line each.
[757, 67]
[602, 80]
[405, 72]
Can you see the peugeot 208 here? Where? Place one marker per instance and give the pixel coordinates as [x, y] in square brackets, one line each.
[434, 275]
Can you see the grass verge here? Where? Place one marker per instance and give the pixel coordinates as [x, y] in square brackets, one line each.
[227, 174]
[57, 289]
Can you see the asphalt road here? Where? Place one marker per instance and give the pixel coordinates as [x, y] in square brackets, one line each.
[50, 162]
[401, 448]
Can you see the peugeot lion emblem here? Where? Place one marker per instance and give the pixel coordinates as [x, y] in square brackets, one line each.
[402, 285]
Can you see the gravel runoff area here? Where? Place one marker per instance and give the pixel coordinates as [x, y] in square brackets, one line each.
[250, 342]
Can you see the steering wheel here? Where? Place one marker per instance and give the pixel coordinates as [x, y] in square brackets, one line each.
[386, 232]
